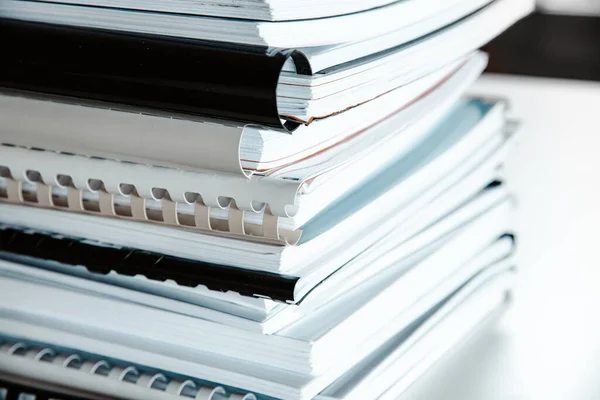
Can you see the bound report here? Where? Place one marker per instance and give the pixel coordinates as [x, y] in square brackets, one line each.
[92, 363]
[471, 137]
[282, 88]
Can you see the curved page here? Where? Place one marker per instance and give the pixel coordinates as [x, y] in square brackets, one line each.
[285, 34]
[262, 10]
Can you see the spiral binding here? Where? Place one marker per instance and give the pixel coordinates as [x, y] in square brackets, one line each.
[102, 368]
[112, 172]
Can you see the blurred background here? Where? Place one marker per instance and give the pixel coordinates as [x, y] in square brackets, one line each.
[575, 7]
[561, 40]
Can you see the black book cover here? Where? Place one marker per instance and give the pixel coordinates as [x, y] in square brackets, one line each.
[161, 74]
[103, 259]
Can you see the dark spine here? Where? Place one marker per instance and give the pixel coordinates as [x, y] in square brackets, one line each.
[102, 259]
[161, 74]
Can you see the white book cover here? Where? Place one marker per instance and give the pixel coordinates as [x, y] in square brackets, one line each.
[283, 34]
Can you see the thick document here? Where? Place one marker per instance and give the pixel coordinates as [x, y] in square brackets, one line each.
[420, 327]
[158, 73]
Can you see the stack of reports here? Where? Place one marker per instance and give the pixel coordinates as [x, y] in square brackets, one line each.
[235, 200]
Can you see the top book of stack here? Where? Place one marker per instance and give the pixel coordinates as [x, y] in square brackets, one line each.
[279, 24]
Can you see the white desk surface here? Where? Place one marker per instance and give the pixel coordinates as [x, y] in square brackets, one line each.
[547, 345]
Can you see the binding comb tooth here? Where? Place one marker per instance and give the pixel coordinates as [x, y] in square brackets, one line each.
[181, 387]
[41, 354]
[72, 360]
[101, 367]
[208, 393]
[4, 178]
[153, 381]
[18, 348]
[234, 396]
[14, 191]
[129, 373]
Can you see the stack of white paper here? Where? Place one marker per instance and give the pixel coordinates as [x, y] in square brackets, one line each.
[325, 226]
